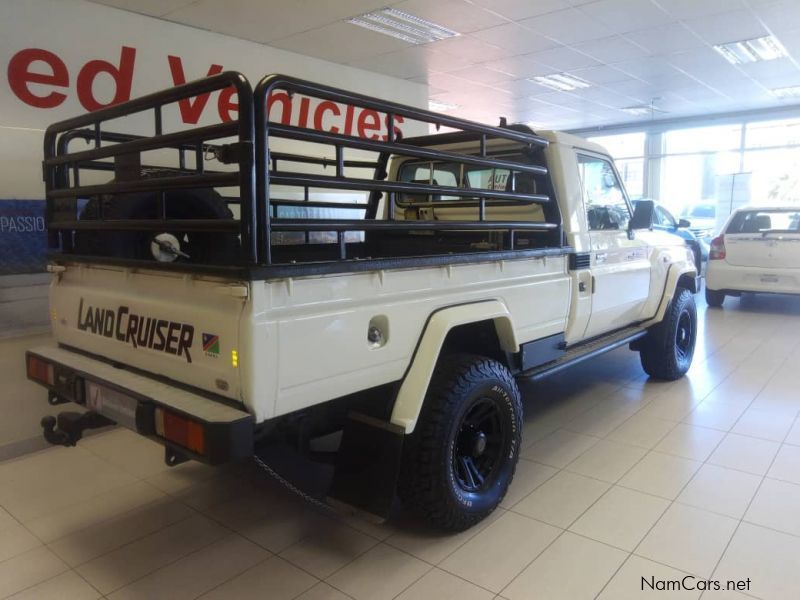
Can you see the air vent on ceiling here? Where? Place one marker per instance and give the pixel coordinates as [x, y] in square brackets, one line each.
[403, 26]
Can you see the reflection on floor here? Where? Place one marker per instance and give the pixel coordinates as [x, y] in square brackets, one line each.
[621, 479]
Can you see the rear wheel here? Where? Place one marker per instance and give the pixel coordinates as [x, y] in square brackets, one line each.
[713, 298]
[460, 460]
[668, 349]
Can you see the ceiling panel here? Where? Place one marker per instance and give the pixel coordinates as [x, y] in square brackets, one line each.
[627, 15]
[727, 27]
[779, 15]
[564, 59]
[455, 14]
[631, 51]
[522, 9]
[612, 49]
[340, 42]
[569, 26]
[515, 38]
[666, 39]
[691, 9]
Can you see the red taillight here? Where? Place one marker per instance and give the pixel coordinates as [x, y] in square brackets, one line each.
[717, 251]
[40, 370]
[181, 430]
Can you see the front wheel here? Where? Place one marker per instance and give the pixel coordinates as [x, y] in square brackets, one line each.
[668, 348]
[460, 460]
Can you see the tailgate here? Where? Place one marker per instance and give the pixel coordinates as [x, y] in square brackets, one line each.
[768, 250]
[184, 327]
[764, 237]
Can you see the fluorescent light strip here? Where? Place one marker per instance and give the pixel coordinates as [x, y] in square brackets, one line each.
[439, 106]
[787, 92]
[642, 111]
[403, 26]
[751, 51]
[563, 82]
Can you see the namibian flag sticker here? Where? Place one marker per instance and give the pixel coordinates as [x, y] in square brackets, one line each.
[211, 344]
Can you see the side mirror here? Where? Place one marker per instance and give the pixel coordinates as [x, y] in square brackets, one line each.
[684, 224]
[642, 216]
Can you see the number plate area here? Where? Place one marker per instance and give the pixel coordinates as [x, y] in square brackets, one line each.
[112, 404]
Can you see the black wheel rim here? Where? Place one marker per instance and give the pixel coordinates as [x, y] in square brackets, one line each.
[479, 446]
[684, 335]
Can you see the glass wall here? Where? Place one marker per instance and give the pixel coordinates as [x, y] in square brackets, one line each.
[703, 172]
[627, 149]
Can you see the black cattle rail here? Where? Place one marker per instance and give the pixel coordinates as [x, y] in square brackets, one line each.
[258, 167]
[392, 145]
[59, 163]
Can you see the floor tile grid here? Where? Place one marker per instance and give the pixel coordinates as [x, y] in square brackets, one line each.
[688, 482]
[738, 525]
[138, 538]
[640, 491]
[132, 541]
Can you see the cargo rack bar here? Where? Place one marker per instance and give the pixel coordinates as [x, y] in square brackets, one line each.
[391, 146]
[257, 168]
[58, 161]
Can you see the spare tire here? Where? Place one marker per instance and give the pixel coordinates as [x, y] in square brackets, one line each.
[201, 247]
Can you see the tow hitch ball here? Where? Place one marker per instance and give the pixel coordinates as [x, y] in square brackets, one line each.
[68, 427]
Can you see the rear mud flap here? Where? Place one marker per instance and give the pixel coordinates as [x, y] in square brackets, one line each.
[367, 466]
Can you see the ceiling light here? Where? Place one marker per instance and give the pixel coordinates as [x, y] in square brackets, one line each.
[563, 82]
[403, 26]
[642, 111]
[787, 92]
[440, 106]
[750, 51]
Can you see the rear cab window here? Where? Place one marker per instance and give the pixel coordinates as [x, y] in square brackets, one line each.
[765, 221]
[471, 178]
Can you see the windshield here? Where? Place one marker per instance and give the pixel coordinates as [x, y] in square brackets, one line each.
[702, 211]
[765, 221]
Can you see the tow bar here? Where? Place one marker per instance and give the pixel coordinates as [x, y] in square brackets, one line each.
[67, 429]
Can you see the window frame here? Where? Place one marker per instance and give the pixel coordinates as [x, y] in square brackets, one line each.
[580, 152]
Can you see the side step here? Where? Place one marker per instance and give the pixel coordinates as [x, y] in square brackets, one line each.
[585, 350]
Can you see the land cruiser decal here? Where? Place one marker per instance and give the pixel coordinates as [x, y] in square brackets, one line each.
[137, 330]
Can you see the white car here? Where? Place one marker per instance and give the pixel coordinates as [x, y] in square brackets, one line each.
[757, 251]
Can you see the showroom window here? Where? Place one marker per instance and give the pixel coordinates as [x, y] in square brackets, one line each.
[772, 155]
[627, 150]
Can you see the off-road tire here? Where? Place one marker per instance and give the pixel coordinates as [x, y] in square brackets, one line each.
[430, 482]
[713, 298]
[667, 350]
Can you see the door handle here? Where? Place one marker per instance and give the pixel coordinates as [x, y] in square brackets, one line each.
[593, 284]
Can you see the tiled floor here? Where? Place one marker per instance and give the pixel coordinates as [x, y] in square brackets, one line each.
[621, 479]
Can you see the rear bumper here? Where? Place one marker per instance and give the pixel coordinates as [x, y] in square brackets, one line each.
[135, 400]
[722, 276]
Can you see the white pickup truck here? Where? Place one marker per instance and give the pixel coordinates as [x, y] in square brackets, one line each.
[393, 291]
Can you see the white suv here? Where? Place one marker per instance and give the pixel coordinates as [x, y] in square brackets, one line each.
[757, 251]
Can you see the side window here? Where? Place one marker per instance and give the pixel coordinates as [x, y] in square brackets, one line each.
[666, 218]
[603, 197]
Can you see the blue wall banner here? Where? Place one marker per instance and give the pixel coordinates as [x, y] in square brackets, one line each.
[23, 237]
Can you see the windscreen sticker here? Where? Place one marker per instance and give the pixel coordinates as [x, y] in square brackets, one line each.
[161, 335]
